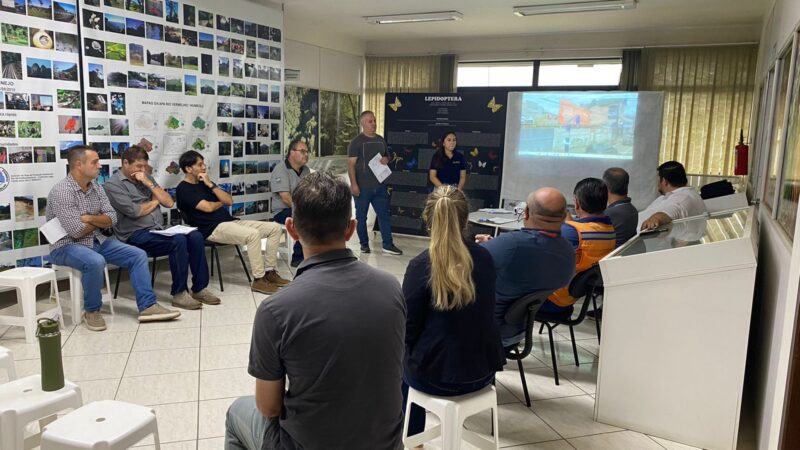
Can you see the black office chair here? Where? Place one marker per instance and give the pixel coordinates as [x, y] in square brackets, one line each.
[584, 284]
[152, 275]
[215, 255]
[524, 310]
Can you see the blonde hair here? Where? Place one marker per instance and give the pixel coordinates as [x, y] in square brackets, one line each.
[451, 283]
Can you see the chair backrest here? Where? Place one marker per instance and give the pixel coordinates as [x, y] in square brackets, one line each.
[585, 282]
[518, 311]
[184, 216]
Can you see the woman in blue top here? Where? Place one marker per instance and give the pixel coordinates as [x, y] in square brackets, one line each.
[447, 165]
[452, 342]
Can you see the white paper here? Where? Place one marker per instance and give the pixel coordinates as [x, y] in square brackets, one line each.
[172, 231]
[381, 171]
[53, 230]
[501, 220]
[495, 211]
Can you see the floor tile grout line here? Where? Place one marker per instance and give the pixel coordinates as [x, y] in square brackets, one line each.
[651, 438]
[119, 385]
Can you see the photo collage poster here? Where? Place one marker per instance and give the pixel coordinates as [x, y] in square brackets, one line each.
[39, 95]
[172, 76]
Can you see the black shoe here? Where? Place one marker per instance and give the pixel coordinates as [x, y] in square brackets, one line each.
[596, 314]
[365, 248]
[392, 250]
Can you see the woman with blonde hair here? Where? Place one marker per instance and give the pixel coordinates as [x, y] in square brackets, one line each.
[452, 342]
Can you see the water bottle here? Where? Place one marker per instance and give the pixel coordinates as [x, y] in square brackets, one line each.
[49, 336]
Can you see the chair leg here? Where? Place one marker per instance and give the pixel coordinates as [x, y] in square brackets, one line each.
[596, 318]
[541, 328]
[244, 266]
[116, 286]
[524, 383]
[219, 268]
[153, 272]
[553, 353]
[574, 347]
[213, 250]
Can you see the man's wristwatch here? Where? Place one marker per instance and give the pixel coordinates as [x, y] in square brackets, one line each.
[213, 185]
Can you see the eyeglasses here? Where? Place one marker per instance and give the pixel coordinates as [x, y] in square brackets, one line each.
[305, 152]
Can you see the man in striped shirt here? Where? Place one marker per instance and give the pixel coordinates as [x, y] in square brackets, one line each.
[83, 209]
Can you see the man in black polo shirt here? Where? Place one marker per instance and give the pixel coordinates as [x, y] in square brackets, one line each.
[334, 335]
[620, 210]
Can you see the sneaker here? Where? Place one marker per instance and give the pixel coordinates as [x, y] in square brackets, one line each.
[392, 250]
[205, 296]
[94, 321]
[273, 277]
[364, 248]
[185, 301]
[157, 313]
[264, 286]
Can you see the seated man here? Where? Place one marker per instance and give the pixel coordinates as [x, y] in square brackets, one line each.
[677, 200]
[206, 206]
[531, 259]
[314, 336]
[137, 198]
[591, 235]
[283, 182]
[620, 210]
[82, 208]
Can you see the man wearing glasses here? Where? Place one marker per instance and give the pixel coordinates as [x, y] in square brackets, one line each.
[284, 180]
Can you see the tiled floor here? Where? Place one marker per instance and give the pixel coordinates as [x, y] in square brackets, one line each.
[191, 369]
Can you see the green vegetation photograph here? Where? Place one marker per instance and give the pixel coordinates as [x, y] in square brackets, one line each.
[338, 117]
[68, 98]
[116, 51]
[300, 118]
[28, 237]
[174, 85]
[14, 34]
[29, 129]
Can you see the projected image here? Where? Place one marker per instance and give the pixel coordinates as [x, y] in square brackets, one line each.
[584, 125]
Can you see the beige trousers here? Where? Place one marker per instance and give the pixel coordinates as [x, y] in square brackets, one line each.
[250, 233]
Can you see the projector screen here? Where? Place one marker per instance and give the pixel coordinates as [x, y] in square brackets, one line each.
[558, 138]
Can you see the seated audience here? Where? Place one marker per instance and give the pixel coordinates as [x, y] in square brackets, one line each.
[137, 199]
[591, 235]
[531, 259]
[677, 200]
[283, 182]
[452, 343]
[334, 336]
[620, 210]
[206, 206]
[83, 209]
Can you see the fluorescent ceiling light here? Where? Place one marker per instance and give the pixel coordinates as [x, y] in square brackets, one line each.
[559, 8]
[442, 16]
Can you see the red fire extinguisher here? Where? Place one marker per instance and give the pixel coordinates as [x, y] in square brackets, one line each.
[741, 156]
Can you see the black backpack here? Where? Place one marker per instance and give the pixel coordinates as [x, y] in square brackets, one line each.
[716, 189]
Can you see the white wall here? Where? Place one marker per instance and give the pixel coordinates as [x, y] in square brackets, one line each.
[776, 296]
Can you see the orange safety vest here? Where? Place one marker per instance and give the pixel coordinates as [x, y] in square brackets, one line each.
[595, 240]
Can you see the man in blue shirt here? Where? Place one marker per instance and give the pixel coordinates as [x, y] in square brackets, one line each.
[531, 259]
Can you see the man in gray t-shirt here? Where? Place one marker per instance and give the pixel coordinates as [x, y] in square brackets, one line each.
[334, 336]
[366, 188]
[284, 179]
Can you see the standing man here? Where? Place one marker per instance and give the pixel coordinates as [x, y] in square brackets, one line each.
[620, 210]
[313, 335]
[205, 204]
[137, 198]
[364, 185]
[284, 180]
[83, 209]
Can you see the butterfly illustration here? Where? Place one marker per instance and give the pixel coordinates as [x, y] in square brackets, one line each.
[493, 105]
[474, 152]
[411, 163]
[396, 105]
[481, 164]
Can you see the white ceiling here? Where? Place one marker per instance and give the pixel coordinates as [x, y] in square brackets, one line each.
[494, 18]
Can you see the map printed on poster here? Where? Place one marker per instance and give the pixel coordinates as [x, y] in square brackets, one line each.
[40, 114]
[174, 76]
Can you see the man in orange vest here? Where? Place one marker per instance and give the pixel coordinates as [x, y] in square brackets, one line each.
[591, 235]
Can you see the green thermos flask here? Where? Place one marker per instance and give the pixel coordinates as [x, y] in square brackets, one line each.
[49, 336]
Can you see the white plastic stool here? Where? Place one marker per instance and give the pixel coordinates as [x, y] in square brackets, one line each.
[25, 280]
[7, 363]
[287, 249]
[76, 292]
[107, 424]
[452, 412]
[23, 401]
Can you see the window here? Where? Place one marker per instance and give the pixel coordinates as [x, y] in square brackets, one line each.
[550, 74]
[505, 74]
[777, 130]
[790, 171]
[587, 73]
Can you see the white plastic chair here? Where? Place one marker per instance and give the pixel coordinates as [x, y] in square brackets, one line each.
[23, 401]
[7, 363]
[107, 424]
[25, 280]
[452, 412]
[76, 292]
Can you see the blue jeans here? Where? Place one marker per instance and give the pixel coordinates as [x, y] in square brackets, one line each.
[416, 419]
[247, 428]
[184, 250]
[379, 198]
[92, 263]
[280, 217]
